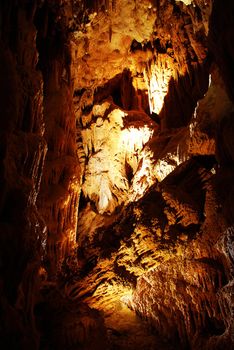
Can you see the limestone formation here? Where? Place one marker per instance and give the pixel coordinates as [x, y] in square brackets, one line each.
[116, 174]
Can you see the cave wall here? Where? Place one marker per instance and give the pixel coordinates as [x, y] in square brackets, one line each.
[171, 46]
[173, 265]
[169, 256]
[39, 183]
[60, 187]
[163, 294]
[23, 150]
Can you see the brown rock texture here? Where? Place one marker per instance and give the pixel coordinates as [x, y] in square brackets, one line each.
[116, 174]
[23, 150]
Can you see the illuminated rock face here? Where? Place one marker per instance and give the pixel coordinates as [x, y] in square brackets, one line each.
[157, 77]
[186, 2]
[116, 175]
[160, 254]
[60, 187]
[189, 290]
[116, 153]
[108, 37]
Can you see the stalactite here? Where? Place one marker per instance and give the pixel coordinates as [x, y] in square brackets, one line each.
[156, 180]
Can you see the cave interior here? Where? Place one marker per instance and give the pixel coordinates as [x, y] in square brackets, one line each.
[116, 174]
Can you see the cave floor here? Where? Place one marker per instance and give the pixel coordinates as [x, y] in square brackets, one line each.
[127, 331]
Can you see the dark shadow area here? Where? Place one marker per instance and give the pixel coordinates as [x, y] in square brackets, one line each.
[182, 96]
[120, 89]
